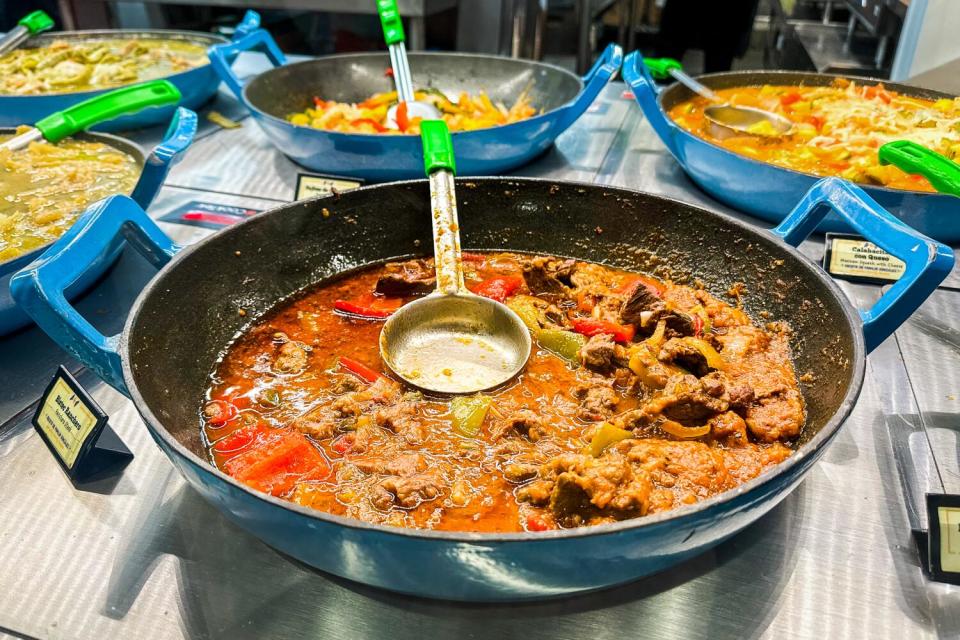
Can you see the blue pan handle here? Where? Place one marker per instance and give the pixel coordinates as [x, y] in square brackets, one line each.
[179, 136]
[596, 79]
[250, 22]
[645, 91]
[38, 288]
[222, 55]
[928, 261]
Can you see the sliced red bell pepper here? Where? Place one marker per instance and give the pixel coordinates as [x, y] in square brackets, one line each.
[630, 285]
[359, 369]
[402, 120]
[362, 310]
[239, 439]
[815, 121]
[379, 128]
[590, 327]
[499, 288]
[276, 461]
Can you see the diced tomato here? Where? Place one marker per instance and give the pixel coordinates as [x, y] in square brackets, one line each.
[388, 73]
[790, 98]
[363, 310]
[235, 395]
[815, 121]
[877, 91]
[319, 103]
[402, 120]
[590, 327]
[239, 439]
[697, 325]
[219, 412]
[276, 461]
[379, 128]
[359, 369]
[534, 523]
[499, 288]
[585, 301]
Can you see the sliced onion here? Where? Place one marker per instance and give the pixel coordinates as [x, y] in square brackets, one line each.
[677, 430]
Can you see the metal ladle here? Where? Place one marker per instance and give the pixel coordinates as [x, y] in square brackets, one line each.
[451, 341]
[724, 119]
[393, 34]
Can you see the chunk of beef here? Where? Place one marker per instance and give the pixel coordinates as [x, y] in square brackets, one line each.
[524, 422]
[410, 278]
[408, 492]
[602, 354]
[582, 488]
[320, 422]
[403, 465]
[328, 419]
[776, 417]
[549, 276]
[518, 472]
[291, 357]
[642, 308]
[684, 355]
[738, 341]
[597, 400]
[687, 399]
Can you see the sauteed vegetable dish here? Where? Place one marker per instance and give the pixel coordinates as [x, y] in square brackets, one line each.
[837, 129]
[641, 396]
[370, 116]
[66, 66]
[44, 187]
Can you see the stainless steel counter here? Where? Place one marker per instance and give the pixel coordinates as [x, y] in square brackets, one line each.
[141, 555]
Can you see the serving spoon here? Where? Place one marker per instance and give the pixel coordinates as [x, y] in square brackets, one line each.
[29, 25]
[107, 106]
[724, 119]
[451, 341]
[393, 34]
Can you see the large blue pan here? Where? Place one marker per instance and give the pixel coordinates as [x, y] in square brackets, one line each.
[180, 324]
[763, 189]
[156, 165]
[196, 85]
[290, 88]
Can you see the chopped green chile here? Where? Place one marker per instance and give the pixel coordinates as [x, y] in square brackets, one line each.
[526, 308]
[468, 414]
[565, 344]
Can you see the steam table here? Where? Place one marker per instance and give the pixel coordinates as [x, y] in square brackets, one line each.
[142, 556]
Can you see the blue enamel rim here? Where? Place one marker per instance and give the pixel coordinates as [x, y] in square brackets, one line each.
[811, 448]
[347, 56]
[199, 38]
[913, 92]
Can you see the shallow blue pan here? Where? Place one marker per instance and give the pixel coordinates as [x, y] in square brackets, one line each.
[180, 323]
[763, 189]
[290, 88]
[197, 86]
[156, 165]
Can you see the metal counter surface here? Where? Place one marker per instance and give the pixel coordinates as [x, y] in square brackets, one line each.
[142, 555]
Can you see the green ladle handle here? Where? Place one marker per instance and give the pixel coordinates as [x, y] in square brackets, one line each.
[107, 106]
[36, 22]
[660, 67]
[390, 20]
[437, 146]
[943, 173]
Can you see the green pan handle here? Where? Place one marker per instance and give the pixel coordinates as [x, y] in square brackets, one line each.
[36, 22]
[107, 106]
[943, 173]
[390, 19]
[660, 67]
[437, 146]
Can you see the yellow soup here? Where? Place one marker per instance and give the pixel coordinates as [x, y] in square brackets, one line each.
[64, 66]
[44, 187]
[837, 129]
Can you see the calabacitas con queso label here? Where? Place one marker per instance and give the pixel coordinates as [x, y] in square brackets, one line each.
[851, 257]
